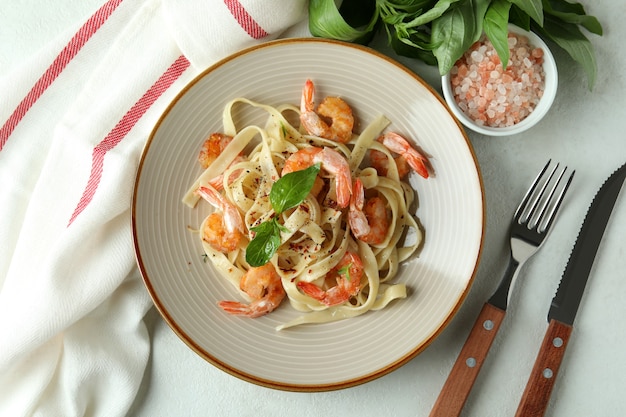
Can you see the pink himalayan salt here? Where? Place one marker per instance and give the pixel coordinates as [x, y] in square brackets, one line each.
[495, 97]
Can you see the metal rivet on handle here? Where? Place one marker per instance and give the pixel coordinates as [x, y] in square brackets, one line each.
[557, 342]
[488, 325]
[547, 373]
[471, 362]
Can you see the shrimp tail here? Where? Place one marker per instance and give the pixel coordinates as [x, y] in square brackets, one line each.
[417, 162]
[396, 143]
[307, 100]
[312, 290]
[335, 163]
[217, 182]
[356, 217]
[211, 195]
[332, 297]
[255, 309]
[239, 309]
[314, 125]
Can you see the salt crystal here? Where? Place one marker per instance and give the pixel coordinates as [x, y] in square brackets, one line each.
[477, 56]
[512, 40]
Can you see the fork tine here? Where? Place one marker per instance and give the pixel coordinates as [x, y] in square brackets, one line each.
[520, 209]
[544, 223]
[540, 204]
[538, 217]
[531, 214]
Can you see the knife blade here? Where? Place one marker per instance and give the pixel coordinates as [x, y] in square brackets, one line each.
[565, 303]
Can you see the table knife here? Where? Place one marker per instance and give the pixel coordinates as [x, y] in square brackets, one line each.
[567, 299]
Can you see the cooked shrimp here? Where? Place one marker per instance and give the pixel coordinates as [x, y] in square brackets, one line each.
[380, 162]
[334, 109]
[264, 286]
[212, 147]
[396, 143]
[369, 221]
[331, 161]
[347, 275]
[223, 230]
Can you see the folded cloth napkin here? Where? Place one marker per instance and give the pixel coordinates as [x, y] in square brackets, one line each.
[76, 118]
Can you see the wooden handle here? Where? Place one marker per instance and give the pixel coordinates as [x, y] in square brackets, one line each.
[465, 370]
[543, 376]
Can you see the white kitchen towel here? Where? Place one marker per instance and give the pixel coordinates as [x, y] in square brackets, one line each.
[75, 120]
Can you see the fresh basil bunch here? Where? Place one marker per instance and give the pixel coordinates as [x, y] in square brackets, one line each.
[439, 31]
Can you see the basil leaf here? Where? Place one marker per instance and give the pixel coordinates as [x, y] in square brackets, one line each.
[519, 18]
[571, 39]
[326, 21]
[454, 33]
[292, 188]
[478, 9]
[572, 13]
[357, 13]
[433, 13]
[496, 28]
[413, 48]
[563, 6]
[533, 8]
[265, 243]
[345, 271]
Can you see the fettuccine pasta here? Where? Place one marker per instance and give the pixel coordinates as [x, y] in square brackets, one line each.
[327, 239]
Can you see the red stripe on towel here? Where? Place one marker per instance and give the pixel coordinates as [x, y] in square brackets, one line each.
[122, 128]
[244, 19]
[81, 37]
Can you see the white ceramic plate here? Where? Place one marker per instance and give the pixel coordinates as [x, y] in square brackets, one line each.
[323, 356]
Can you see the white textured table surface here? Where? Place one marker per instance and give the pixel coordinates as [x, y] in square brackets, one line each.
[584, 129]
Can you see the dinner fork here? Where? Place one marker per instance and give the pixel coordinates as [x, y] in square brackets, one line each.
[531, 224]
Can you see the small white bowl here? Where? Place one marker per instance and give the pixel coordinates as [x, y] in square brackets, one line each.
[551, 81]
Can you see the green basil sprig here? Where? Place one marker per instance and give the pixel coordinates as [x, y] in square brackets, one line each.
[287, 192]
[439, 31]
